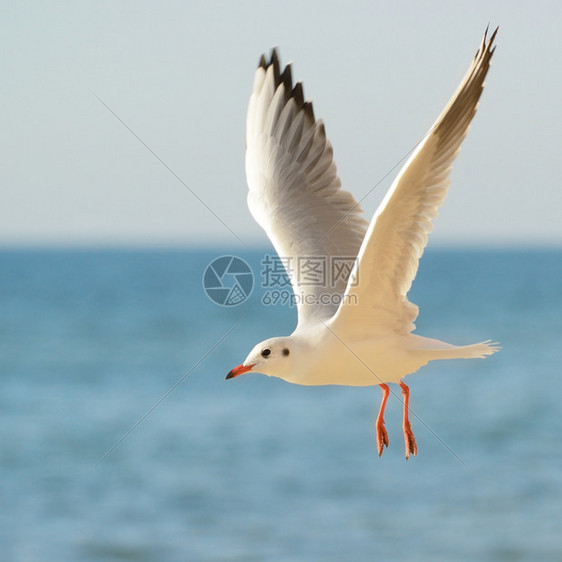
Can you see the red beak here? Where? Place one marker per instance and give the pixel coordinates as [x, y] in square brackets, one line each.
[240, 370]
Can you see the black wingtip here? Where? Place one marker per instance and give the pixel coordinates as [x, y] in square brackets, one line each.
[492, 37]
[274, 61]
[286, 79]
[487, 44]
[298, 94]
[308, 110]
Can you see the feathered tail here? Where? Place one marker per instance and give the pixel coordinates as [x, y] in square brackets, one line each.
[474, 351]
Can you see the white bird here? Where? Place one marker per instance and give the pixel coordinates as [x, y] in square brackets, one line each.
[354, 329]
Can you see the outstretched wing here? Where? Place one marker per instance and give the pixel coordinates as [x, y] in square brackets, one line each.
[389, 256]
[295, 191]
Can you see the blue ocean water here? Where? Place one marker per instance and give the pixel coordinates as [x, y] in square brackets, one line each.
[120, 439]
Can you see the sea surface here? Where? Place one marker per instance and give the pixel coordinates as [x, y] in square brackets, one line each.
[121, 440]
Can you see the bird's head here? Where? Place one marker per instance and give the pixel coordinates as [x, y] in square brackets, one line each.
[274, 357]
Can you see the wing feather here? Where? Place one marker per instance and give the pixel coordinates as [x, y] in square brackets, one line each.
[294, 190]
[389, 256]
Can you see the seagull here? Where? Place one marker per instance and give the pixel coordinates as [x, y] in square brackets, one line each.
[357, 328]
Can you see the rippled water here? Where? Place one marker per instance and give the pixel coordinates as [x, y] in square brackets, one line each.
[94, 343]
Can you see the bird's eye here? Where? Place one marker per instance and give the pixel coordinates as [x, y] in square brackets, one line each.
[266, 352]
[285, 352]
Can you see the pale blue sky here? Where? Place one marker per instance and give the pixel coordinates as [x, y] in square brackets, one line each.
[179, 75]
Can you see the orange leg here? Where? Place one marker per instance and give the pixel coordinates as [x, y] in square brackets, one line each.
[382, 435]
[409, 440]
